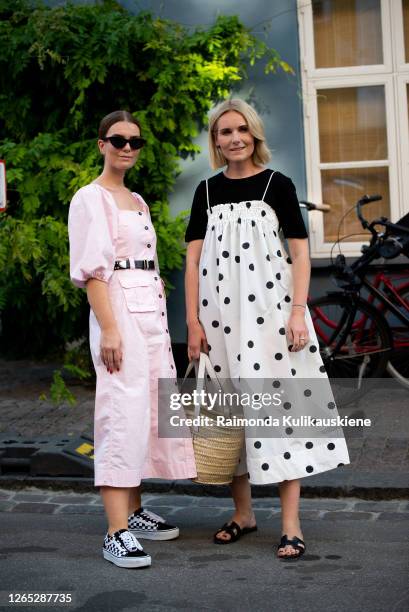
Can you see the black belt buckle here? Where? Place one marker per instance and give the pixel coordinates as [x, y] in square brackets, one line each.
[122, 265]
[145, 264]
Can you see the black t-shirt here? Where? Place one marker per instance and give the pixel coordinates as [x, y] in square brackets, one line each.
[281, 196]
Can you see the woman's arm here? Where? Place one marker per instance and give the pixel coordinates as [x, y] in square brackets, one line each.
[110, 345]
[196, 334]
[301, 271]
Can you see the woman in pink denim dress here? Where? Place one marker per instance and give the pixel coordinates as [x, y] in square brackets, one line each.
[113, 255]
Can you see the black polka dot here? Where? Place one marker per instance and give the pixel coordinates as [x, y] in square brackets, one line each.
[227, 300]
[220, 216]
[278, 276]
[313, 349]
[276, 384]
[322, 369]
[253, 223]
[219, 238]
[239, 220]
[287, 299]
[245, 245]
[260, 320]
[204, 272]
[237, 259]
[287, 456]
[265, 466]
[217, 368]
[205, 302]
[212, 228]
[217, 261]
[293, 372]
[289, 260]
[227, 330]
[248, 204]
[331, 405]
[309, 469]
[331, 446]
[278, 356]
[282, 331]
[252, 297]
[217, 288]
[256, 366]
[263, 213]
[225, 254]
[279, 306]
[231, 206]
[278, 253]
[268, 257]
[287, 405]
[215, 323]
[250, 343]
[257, 444]
[221, 277]
[309, 445]
[251, 267]
[275, 233]
[307, 392]
[238, 357]
[289, 431]
[270, 285]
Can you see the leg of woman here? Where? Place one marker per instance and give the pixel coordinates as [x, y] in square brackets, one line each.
[116, 503]
[290, 500]
[135, 501]
[243, 514]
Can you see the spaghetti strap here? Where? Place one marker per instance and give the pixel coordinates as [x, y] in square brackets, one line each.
[207, 197]
[268, 185]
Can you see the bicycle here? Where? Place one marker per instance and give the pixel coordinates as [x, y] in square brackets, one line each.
[357, 343]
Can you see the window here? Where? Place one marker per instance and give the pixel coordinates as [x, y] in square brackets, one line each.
[355, 76]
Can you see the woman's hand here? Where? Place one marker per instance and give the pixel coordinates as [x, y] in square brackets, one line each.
[111, 349]
[196, 340]
[297, 331]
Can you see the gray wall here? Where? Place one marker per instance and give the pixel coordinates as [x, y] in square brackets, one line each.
[278, 98]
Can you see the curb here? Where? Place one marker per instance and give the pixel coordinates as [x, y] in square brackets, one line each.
[186, 487]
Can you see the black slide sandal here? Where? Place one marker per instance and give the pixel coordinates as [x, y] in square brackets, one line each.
[235, 532]
[296, 543]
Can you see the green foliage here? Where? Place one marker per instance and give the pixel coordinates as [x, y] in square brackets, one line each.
[61, 70]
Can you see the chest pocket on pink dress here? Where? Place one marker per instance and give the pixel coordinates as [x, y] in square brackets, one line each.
[140, 295]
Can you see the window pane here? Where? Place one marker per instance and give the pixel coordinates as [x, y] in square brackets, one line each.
[352, 124]
[347, 33]
[342, 189]
[405, 9]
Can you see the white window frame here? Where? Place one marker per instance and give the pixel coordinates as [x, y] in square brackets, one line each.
[395, 107]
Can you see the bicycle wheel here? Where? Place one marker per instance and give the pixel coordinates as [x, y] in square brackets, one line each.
[355, 343]
[398, 364]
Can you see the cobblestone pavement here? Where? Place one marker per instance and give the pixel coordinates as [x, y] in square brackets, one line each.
[379, 456]
[356, 559]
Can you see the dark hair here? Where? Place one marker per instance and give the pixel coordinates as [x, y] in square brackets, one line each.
[108, 120]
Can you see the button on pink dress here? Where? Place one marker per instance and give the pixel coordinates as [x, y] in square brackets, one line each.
[127, 446]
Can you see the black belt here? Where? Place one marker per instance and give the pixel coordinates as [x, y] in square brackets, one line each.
[130, 264]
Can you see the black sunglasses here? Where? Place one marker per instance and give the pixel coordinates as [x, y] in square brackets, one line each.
[135, 142]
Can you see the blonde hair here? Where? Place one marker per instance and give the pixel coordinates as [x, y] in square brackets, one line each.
[261, 154]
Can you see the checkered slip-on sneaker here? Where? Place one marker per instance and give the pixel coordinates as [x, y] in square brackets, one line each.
[150, 526]
[124, 550]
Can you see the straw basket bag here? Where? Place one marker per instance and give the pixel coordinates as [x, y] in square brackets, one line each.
[217, 448]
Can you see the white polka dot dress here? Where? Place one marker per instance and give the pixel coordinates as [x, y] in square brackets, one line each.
[245, 295]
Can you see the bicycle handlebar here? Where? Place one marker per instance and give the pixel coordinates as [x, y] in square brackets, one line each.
[313, 206]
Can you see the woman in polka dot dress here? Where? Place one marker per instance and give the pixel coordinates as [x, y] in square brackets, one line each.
[246, 306]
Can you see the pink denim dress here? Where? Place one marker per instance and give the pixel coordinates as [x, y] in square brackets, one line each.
[127, 446]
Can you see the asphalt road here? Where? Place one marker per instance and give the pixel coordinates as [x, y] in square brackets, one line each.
[357, 559]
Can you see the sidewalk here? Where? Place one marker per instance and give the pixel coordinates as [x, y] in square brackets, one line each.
[379, 458]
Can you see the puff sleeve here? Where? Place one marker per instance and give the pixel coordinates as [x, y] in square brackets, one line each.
[93, 230]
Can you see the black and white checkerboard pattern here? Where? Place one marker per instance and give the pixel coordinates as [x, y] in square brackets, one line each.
[121, 543]
[145, 520]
